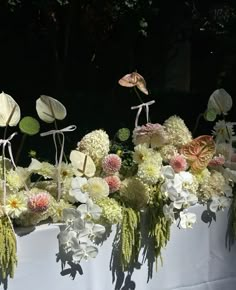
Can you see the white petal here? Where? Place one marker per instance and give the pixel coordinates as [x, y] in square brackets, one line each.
[49, 109]
[220, 101]
[83, 163]
[6, 109]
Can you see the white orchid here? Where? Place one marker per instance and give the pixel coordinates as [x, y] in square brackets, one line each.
[187, 219]
[78, 190]
[83, 251]
[89, 210]
[219, 203]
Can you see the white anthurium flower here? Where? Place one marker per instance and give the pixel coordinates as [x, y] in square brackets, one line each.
[78, 190]
[89, 210]
[168, 211]
[50, 109]
[219, 203]
[82, 163]
[220, 102]
[9, 108]
[84, 252]
[187, 219]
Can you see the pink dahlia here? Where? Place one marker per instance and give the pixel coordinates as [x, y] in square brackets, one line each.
[111, 164]
[39, 202]
[113, 183]
[178, 163]
[151, 134]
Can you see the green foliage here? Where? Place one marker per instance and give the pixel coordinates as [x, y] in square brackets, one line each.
[29, 125]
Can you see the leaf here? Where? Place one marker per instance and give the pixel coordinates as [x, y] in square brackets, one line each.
[29, 125]
[9, 109]
[220, 102]
[49, 109]
[83, 163]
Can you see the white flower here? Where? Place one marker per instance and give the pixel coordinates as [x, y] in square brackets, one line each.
[149, 171]
[187, 219]
[168, 211]
[219, 203]
[83, 251]
[15, 205]
[223, 131]
[78, 190]
[70, 215]
[89, 210]
[97, 188]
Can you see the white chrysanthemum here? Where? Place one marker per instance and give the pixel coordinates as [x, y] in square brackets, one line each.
[141, 153]
[212, 186]
[45, 169]
[96, 144]
[149, 171]
[134, 191]
[223, 131]
[67, 171]
[178, 133]
[16, 178]
[16, 204]
[97, 188]
[167, 152]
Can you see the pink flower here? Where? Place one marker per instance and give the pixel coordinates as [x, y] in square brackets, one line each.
[113, 183]
[39, 202]
[178, 163]
[134, 79]
[111, 164]
[151, 134]
[217, 160]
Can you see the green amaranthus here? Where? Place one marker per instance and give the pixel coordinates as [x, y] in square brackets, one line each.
[8, 249]
[130, 237]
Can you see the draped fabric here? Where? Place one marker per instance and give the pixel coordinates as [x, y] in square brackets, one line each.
[194, 259]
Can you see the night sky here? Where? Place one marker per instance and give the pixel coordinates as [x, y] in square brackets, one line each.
[77, 53]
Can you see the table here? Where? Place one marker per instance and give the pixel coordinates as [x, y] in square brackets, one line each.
[194, 259]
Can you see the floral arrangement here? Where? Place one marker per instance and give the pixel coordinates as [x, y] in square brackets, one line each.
[140, 182]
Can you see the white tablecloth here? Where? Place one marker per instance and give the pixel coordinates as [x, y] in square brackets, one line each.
[194, 259]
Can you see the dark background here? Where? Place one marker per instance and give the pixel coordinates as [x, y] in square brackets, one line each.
[77, 51]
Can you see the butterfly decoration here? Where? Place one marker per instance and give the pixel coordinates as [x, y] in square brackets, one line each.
[134, 79]
[199, 152]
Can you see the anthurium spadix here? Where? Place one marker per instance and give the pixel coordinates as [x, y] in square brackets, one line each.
[50, 109]
[9, 111]
[220, 102]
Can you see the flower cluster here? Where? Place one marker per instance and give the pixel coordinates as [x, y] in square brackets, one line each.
[106, 182]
